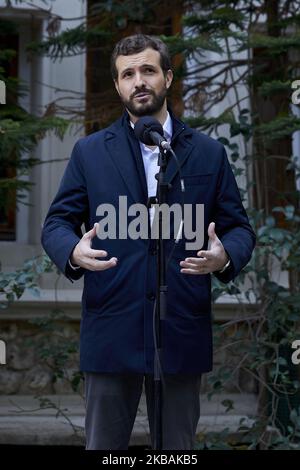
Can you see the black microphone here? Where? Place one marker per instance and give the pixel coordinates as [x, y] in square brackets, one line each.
[149, 131]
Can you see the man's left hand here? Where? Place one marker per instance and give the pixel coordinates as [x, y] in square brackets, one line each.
[208, 261]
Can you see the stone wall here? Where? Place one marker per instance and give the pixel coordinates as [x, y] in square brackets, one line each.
[34, 358]
[37, 361]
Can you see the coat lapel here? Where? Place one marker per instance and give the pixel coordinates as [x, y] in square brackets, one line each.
[182, 146]
[125, 152]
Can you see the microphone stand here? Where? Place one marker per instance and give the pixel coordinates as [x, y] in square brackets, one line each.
[161, 300]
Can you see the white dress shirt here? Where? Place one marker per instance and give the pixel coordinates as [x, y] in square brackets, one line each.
[150, 159]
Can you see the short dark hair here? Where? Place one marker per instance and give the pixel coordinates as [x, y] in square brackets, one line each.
[138, 43]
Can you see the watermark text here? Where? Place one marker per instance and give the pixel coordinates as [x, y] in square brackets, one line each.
[190, 220]
[2, 92]
[2, 352]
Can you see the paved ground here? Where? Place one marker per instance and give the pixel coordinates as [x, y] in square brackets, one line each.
[61, 420]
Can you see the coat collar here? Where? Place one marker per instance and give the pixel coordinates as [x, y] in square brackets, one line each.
[125, 152]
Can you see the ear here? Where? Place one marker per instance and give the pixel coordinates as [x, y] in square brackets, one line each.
[117, 86]
[169, 78]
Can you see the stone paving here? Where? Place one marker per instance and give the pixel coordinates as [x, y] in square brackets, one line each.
[61, 420]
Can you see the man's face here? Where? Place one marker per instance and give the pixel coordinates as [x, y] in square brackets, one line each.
[141, 83]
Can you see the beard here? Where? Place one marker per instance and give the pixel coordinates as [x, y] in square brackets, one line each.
[152, 106]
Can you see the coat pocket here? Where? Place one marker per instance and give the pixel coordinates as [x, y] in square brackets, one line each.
[193, 180]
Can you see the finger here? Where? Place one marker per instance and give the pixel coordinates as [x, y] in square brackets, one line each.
[91, 233]
[194, 271]
[96, 253]
[196, 260]
[101, 265]
[193, 262]
[205, 254]
[211, 231]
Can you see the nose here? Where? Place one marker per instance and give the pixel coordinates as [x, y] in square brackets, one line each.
[139, 80]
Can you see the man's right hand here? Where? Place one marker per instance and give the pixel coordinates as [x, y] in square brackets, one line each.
[83, 255]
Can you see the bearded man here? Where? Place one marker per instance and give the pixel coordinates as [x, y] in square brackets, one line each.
[116, 338]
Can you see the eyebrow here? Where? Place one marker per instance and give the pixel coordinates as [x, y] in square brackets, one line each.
[142, 66]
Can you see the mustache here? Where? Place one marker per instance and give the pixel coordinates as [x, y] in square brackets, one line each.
[143, 90]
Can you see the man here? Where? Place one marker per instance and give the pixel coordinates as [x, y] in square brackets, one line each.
[116, 340]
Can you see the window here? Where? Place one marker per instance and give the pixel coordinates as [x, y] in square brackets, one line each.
[7, 170]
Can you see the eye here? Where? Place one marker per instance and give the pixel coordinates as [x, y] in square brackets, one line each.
[127, 74]
[149, 70]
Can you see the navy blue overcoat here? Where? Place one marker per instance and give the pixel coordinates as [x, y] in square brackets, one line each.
[116, 331]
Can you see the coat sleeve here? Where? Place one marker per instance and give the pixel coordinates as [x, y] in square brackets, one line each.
[69, 210]
[232, 223]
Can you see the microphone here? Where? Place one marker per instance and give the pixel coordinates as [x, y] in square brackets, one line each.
[149, 131]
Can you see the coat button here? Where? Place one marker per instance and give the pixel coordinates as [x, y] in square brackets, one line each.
[150, 296]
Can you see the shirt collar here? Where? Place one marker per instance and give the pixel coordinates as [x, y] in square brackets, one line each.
[167, 127]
